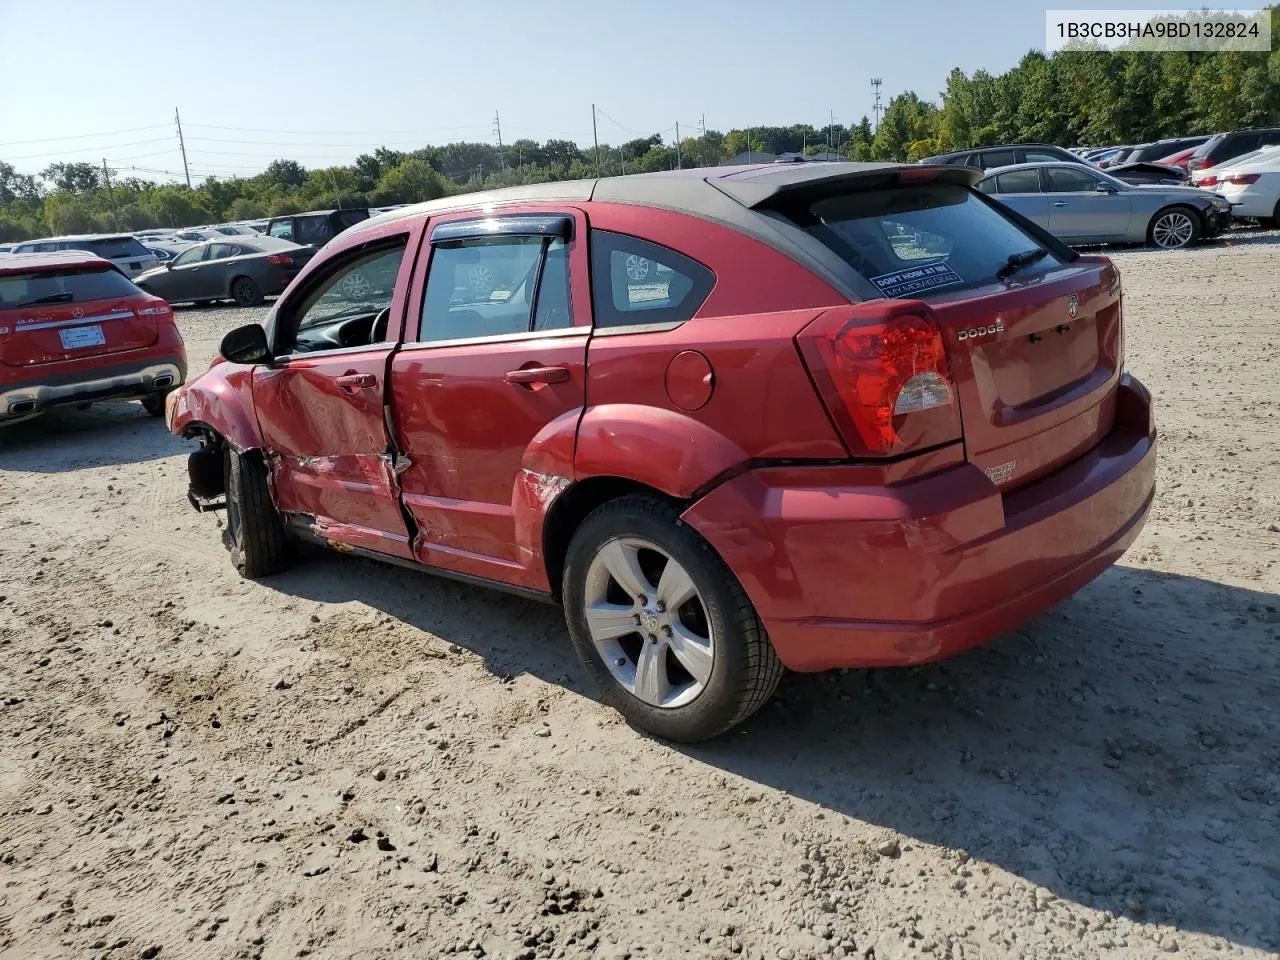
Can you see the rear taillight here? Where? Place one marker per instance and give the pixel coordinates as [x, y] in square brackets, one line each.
[1243, 179]
[280, 259]
[882, 371]
[1208, 181]
[154, 307]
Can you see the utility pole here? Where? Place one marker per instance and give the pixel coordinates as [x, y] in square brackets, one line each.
[182, 145]
[702, 125]
[875, 109]
[106, 178]
[595, 137]
[678, 163]
[497, 129]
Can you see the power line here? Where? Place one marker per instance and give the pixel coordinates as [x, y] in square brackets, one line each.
[114, 146]
[83, 136]
[336, 133]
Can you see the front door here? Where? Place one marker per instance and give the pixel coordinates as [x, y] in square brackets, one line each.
[1079, 212]
[498, 363]
[188, 277]
[321, 404]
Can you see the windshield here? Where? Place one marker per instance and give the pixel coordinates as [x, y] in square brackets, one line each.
[26, 289]
[911, 241]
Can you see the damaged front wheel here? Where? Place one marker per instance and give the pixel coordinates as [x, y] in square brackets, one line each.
[259, 543]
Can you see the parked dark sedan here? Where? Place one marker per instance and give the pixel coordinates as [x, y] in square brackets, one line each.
[243, 269]
[1147, 172]
[984, 158]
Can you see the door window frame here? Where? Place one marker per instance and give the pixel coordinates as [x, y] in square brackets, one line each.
[505, 224]
[322, 268]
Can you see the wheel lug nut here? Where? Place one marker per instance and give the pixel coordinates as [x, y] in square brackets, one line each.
[636, 619]
[653, 638]
[660, 607]
[666, 631]
[620, 662]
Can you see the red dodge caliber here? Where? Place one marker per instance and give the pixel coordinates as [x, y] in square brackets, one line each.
[734, 420]
[74, 329]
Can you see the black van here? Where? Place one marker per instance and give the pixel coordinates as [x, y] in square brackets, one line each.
[1227, 146]
[315, 228]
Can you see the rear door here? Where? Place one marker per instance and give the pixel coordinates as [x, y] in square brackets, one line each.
[53, 316]
[320, 404]
[1022, 191]
[496, 355]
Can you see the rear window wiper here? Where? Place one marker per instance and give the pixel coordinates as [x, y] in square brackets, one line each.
[51, 298]
[1017, 261]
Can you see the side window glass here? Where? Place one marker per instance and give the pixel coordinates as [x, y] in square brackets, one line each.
[552, 311]
[634, 281]
[220, 251]
[188, 257]
[1036, 156]
[987, 186]
[282, 228]
[480, 287]
[312, 230]
[997, 158]
[342, 310]
[1066, 180]
[1019, 181]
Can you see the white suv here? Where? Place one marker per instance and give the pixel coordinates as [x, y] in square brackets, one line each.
[126, 252]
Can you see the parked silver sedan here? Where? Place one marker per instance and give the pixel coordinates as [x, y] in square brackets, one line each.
[1079, 205]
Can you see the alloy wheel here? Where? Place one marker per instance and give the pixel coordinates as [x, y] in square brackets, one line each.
[1174, 229]
[355, 286]
[480, 279]
[649, 622]
[637, 267]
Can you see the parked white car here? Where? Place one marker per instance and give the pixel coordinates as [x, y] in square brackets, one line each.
[126, 252]
[1251, 182]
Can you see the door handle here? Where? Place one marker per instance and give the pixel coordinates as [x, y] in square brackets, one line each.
[354, 381]
[1060, 203]
[537, 375]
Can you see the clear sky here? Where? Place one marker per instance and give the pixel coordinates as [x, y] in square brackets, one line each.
[324, 80]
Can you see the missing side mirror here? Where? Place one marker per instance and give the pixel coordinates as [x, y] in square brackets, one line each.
[247, 344]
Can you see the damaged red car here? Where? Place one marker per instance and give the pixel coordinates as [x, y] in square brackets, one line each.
[74, 329]
[733, 420]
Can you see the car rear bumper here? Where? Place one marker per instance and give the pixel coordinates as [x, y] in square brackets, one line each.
[143, 372]
[854, 573]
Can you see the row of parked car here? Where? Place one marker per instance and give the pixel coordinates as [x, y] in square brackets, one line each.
[244, 261]
[1161, 193]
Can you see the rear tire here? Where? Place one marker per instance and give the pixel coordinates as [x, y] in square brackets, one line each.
[1174, 228]
[245, 292]
[153, 403]
[259, 544]
[705, 700]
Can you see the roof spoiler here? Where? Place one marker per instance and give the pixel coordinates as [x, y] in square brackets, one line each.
[765, 187]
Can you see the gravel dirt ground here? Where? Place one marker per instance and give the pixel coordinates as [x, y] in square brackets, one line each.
[353, 760]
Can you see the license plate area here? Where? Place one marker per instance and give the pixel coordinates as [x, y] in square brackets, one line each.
[77, 338]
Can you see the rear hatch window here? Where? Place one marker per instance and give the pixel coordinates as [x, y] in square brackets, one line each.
[1031, 332]
[49, 316]
[918, 241]
[111, 248]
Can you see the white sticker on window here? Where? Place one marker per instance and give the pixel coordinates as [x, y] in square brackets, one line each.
[928, 276]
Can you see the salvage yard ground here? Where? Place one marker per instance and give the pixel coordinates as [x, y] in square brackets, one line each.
[353, 760]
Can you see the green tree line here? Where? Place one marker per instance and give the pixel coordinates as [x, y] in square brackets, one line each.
[1079, 97]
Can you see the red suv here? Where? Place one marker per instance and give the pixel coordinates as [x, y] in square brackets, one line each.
[74, 329]
[735, 419]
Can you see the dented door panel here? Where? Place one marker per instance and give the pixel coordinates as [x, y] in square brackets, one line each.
[328, 447]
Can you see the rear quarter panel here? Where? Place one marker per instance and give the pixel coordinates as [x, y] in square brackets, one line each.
[762, 403]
